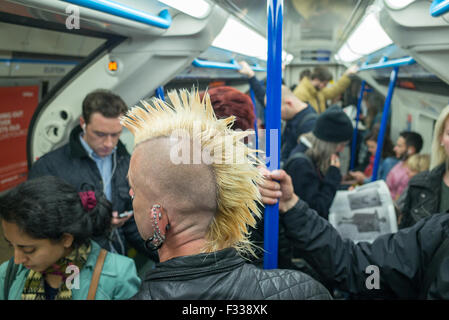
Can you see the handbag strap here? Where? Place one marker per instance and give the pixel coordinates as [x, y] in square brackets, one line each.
[96, 275]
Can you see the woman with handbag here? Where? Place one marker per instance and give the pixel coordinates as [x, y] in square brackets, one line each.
[50, 227]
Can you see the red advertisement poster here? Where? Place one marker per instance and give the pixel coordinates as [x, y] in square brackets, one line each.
[17, 105]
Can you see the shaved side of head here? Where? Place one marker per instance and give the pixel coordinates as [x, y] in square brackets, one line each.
[183, 187]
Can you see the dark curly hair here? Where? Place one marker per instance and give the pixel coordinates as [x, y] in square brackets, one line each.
[48, 207]
[228, 101]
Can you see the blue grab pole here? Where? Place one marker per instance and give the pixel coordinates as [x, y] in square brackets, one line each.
[354, 135]
[253, 99]
[273, 124]
[383, 124]
[160, 93]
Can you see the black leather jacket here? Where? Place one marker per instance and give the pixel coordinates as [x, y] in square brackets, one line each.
[224, 275]
[403, 258]
[423, 196]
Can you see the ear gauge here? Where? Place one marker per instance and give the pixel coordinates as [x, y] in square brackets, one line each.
[157, 239]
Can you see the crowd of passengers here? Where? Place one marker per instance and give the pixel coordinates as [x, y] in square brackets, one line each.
[89, 202]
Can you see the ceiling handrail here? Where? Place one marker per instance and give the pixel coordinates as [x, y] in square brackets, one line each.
[439, 7]
[388, 63]
[163, 20]
[233, 65]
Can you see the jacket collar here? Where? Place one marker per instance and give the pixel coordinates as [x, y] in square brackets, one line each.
[78, 151]
[199, 265]
[430, 179]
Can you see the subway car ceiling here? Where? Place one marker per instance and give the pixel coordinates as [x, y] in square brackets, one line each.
[36, 45]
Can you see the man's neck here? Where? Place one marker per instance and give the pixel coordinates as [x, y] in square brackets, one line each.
[173, 248]
[298, 108]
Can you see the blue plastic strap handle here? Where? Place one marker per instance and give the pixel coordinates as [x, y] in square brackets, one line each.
[253, 99]
[354, 135]
[273, 125]
[387, 64]
[439, 7]
[160, 93]
[384, 122]
[233, 65]
[163, 20]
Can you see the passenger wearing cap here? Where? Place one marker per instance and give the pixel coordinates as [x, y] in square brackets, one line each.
[314, 164]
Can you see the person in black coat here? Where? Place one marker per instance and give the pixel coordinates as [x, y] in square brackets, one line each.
[314, 164]
[193, 184]
[428, 191]
[410, 264]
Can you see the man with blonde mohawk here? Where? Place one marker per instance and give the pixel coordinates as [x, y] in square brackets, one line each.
[195, 212]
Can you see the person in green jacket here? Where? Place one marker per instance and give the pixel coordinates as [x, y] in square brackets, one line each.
[314, 90]
[50, 227]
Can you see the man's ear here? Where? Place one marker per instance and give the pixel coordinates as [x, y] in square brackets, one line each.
[82, 123]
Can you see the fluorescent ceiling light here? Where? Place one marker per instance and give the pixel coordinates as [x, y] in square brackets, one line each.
[237, 37]
[346, 55]
[368, 37]
[194, 8]
[398, 4]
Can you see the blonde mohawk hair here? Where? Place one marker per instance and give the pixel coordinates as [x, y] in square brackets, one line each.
[236, 183]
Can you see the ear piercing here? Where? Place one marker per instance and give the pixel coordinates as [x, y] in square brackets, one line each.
[156, 241]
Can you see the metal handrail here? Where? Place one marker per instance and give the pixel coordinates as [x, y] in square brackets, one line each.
[439, 7]
[163, 20]
[160, 93]
[384, 122]
[233, 65]
[388, 63]
[273, 125]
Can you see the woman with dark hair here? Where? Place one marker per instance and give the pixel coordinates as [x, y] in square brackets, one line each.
[50, 226]
[387, 159]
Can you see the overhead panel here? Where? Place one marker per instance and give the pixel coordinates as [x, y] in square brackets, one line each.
[420, 35]
[309, 25]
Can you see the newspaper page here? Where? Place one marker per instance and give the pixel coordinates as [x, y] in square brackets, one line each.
[364, 213]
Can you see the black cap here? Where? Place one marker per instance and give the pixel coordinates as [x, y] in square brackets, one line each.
[333, 125]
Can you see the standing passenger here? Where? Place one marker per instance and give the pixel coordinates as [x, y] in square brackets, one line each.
[314, 164]
[428, 192]
[95, 156]
[50, 227]
[299, 119]
[197, 213]
[313, 90]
